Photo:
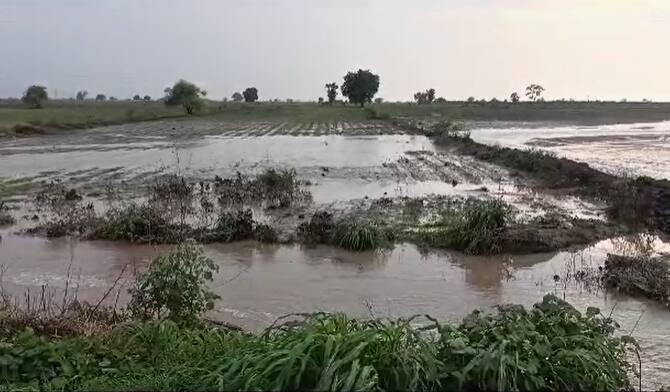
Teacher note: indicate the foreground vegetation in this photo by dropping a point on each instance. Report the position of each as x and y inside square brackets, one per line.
[161, 343]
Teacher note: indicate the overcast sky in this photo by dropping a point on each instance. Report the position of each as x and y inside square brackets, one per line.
[607, 49]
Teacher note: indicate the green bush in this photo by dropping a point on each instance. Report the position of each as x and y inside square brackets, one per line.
[174, 286]
[361, 234]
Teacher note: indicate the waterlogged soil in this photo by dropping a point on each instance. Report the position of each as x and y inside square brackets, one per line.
[641, 149]
[259, 283]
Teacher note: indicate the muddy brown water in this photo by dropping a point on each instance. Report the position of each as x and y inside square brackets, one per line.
[258, 283]
[637, 149]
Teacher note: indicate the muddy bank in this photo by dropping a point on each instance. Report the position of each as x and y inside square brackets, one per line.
[639, 275]
[643, 200]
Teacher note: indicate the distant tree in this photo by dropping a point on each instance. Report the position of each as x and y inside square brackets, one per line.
[250, 94]
[147, 98]
[360, 87]
[423, 97]
[379, 100]
[430, 95]
[137, 97]
[471, 99]
[186, 94]
[331, 92]
[35, 95]
[320, 99]
[440, 100]
[289, 100]
[494, 100]
[237, 97]
[81, 95]
[534, 92]
[113, 99]
[100, 98]
[514, 97]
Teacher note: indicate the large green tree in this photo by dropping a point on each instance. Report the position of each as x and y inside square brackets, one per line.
[35, 95]
[250, 94]
[360, 87]
[186, 94]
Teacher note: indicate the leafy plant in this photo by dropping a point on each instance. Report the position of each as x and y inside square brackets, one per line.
[173, 287]
[35, 96]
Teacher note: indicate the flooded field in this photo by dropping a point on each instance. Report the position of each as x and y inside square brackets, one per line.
[637, 149]
[259, 283]
[344, 166]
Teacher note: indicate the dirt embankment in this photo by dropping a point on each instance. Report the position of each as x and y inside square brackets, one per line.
[643, 202]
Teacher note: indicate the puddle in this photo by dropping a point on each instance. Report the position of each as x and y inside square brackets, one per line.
[638, 149]
[258, 283]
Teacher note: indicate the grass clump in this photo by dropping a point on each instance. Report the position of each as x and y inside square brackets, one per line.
[551, 347]
[477, 228]
[639, 275]
[361, 235]
[173, 287]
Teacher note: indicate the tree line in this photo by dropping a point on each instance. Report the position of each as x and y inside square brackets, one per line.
[358, 87]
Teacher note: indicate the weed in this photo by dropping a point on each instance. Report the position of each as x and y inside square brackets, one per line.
[361, 234]
[551, 347]
[173, 287]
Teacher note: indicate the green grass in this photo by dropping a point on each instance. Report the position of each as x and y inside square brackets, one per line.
[361, 234]
[569, 112]
[549, 347]
[475, 228]
[640, 275]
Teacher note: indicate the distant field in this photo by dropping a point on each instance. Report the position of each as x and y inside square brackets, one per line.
[569, 112]
[19, 119]
[61, 115]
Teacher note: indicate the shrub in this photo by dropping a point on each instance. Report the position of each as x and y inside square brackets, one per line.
[360, 235]
[174, 286]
